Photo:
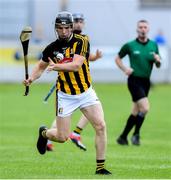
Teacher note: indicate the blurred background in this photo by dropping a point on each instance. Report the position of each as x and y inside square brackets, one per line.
[108, 23]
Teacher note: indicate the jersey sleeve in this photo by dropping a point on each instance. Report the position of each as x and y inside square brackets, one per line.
[83, 47]
[86, 37]
[48, 52]
[123, 51]
[45, 54]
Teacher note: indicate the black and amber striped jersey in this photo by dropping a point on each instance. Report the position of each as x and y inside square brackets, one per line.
[71, 82]
[85, 36]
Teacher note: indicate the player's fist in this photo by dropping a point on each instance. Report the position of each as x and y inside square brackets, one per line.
[27, 82]
[98, 54]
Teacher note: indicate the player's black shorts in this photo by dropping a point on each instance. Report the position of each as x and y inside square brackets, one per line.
[138, 87]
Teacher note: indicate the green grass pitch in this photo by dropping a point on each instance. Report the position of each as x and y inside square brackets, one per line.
[20, 118]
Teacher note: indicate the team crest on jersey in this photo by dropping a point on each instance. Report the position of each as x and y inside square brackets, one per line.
[64, 48]
[152, 53]
[71, 52]
[136, 52]
[60, 110]
[55, 53]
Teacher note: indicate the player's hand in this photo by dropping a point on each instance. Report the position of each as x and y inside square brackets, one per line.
[128, 71]
[27, 82]
[51, 66]
[98, 54]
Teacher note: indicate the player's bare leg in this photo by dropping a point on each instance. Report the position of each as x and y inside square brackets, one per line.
[49, 143]
[59, 134]
[82, 122]
[74, 136]
[96, 116]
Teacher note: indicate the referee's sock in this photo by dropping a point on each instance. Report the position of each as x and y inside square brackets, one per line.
[78, 130]
[129, 125]
[139, 121]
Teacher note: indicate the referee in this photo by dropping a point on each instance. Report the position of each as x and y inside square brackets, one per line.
[143, 53]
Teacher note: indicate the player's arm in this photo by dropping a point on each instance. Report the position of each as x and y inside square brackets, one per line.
[127, 70]
[82, 49]
[94, 57]
[68, 67]
[36, 73]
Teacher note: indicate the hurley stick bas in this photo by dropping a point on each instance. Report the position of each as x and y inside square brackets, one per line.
[24, 38]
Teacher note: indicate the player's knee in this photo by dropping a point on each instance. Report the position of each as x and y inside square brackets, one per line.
[100, 127]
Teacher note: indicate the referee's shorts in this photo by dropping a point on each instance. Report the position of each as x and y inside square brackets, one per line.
[139, 87]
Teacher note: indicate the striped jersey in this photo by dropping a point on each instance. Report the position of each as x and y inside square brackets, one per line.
[71, 82]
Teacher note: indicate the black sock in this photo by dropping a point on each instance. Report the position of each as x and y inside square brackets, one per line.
[78, 130]
[139, 121]
[100, 164]
[129, 125]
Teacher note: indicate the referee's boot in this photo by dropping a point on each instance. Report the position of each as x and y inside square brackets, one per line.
[135, 139]
[103, 172]
[122, 141]
[42, 142]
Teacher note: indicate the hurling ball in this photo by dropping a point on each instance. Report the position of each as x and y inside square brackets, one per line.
[60, 56]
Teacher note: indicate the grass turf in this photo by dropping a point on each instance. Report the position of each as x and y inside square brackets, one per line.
[21, 116]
